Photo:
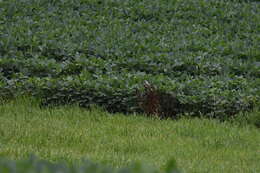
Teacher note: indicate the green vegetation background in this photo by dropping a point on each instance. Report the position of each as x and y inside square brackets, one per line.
[99, 52]
[205, 53]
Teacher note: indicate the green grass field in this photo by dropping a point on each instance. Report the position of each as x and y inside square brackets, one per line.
[71, 133]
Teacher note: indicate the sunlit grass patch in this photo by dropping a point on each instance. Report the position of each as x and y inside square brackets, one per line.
[71, 133]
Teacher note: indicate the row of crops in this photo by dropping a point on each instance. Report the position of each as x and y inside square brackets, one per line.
[204, 55]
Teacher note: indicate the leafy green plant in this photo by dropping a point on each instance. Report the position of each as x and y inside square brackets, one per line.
[36, 165]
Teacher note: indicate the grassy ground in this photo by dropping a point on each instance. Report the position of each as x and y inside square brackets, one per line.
[70, 133]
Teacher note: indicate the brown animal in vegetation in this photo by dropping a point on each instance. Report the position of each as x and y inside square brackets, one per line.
[155, 102]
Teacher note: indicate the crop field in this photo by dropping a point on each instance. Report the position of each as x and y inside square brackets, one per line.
[202, 56]
[192, 65]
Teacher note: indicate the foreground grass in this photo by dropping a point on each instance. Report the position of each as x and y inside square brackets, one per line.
[70, 133]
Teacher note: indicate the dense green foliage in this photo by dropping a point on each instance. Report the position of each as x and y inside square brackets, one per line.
[99, 52]
[34, 165]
